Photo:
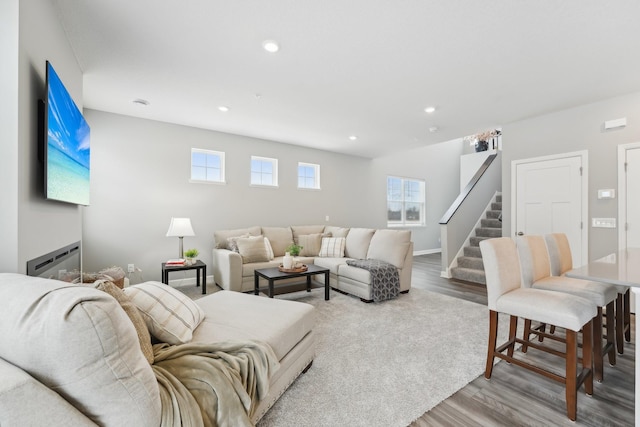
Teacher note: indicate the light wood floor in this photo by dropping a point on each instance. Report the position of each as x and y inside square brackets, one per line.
[517, 397]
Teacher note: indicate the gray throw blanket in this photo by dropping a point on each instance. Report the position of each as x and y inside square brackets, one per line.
[385, 281]
[216, 384]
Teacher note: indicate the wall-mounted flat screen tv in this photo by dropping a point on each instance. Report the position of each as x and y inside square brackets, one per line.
[66, 146]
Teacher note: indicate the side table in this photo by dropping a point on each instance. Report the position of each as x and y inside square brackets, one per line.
[199, 266]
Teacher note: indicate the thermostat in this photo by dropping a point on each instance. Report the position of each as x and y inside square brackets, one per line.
[608, 193]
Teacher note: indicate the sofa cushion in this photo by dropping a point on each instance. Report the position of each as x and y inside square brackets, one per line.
[336, 231]
[279, 323]
[299, 230]
[331, 263]
[354, 273]
[220, 237]
[79, 342]
[332, 247]
[357, 244]
[267, 245]
[252, 249]
[133, 313]
[311, 244]
[390, 246]
[280, 238]
[170, 315]
[232, 242]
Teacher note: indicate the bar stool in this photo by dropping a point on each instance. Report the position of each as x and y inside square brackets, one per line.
[536, 274]
[562, 261]
[506, 295]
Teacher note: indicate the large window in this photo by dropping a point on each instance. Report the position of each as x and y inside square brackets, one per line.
[207, 165]
[308, 176]
[405, 202]
[264, 171]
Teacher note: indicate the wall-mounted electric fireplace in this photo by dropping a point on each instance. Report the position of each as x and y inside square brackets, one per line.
[58, 264]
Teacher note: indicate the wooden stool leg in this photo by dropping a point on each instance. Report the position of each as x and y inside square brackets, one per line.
[620, 313]
[597, 346]
[587, 357]
[513, 328]
[526, 335]
[627, 316]
[493, 336]
[571, 388]
[611, 335]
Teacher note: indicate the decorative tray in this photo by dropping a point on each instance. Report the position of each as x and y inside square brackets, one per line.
[300, 269]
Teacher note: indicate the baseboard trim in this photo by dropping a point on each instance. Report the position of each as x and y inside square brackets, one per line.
[189, 281]
[427, 251]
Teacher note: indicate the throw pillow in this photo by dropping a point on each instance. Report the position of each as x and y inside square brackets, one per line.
[253, 249]
[311, 244]
[332, 247]
[232, 242]
[134, 314]
[170, 315]
[267, 245]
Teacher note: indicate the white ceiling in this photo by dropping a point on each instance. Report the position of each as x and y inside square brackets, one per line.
[352, 67]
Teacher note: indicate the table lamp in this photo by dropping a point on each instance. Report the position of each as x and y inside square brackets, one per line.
[180, 227]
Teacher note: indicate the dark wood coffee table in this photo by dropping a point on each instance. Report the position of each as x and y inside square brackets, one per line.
[273, 274]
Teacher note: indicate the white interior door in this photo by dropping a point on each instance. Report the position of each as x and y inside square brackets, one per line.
[629, 199]
[550, 197]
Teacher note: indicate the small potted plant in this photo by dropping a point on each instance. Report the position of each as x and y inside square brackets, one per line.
[190, 255]
[294, 249]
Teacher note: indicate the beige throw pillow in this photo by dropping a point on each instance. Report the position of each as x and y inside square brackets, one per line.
[132, 311]
[311, 244]
[170, 315]
[332, 247]
[253, 249]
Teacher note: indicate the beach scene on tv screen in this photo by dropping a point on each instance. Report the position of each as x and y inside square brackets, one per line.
[68, 148]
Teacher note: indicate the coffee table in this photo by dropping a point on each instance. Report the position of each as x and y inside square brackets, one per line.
[273, 274]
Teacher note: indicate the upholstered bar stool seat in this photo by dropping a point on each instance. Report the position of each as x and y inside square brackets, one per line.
[562, 261]
[536, 274]
[505, 295]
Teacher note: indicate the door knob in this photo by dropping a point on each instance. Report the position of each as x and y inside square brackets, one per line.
[520, 233]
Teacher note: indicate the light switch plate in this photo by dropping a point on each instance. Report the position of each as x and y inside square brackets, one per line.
[603, 222]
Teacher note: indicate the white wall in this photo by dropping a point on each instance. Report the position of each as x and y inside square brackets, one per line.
[31, 225]
[570, 130]
[140, 179]
[9, 45]
[439, 166]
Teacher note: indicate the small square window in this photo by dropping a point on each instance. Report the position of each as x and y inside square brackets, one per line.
[405, 202]
[264, 171]
[308, 175]
[207, 166]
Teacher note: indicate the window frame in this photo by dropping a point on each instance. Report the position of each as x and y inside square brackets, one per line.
[403, 222]
[316, 175]
[274, 165]
[220, 154]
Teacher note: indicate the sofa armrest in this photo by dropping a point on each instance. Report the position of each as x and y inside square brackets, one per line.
[227, 269]
[25, 401]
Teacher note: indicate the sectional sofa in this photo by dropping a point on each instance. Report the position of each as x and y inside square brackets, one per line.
[71, 355]
[233, 267]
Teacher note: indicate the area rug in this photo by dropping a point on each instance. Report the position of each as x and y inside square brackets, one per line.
[384, 364]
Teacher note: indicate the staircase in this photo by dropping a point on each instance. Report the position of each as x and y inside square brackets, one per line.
[470, 267]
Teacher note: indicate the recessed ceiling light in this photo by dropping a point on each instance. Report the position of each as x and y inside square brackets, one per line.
[430, 110]
[223, 108]
[139, 101]
[270, 46]
[353, 137]
[433, 129]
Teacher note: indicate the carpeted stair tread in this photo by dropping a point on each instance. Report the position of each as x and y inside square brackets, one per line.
[469, 275]
[475, 241]
[499, 198]
[492, 214]
[470, 262]
[491, 223]
[472, 251]
[488, 232]
[495, 206]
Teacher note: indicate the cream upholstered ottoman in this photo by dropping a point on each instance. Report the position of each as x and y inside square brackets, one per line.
[287, 326]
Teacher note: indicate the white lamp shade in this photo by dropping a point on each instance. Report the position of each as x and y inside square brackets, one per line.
[180, 227]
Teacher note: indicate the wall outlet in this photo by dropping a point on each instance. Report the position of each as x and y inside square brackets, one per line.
[131, 268]
[326, 218]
